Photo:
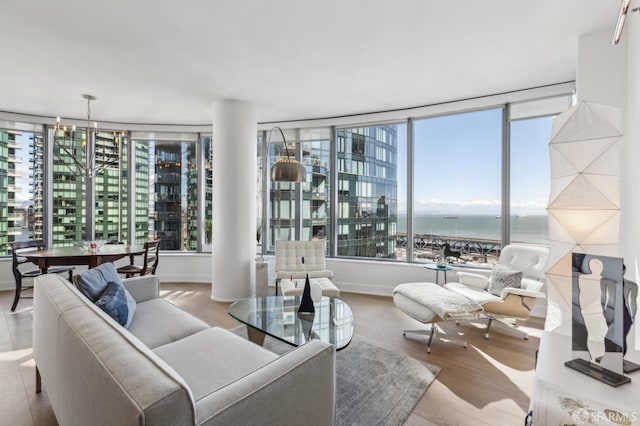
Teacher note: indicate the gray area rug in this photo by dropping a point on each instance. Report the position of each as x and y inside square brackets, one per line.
[374, 386]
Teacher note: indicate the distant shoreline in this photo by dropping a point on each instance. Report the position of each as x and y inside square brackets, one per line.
[524, 228]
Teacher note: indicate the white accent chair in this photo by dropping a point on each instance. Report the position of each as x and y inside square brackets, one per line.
[513, 303]
[289, 264]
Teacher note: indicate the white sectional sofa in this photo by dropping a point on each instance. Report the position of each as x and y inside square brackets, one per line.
[168, 367]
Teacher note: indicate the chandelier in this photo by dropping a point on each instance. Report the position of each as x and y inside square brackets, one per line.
[84, 163]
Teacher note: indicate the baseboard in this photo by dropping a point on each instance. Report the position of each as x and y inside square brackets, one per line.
[360, 288]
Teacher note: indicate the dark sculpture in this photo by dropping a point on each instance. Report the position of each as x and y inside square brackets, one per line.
[618, 311]
[306, 304]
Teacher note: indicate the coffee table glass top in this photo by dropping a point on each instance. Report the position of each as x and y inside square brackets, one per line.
[277, 316]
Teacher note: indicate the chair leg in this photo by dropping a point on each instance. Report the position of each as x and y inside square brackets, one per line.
[16, 298]
[431, 332]
[489, 322]
[513, 327]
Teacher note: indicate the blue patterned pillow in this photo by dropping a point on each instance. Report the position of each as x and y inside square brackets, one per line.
[93, 282]
[116, 301]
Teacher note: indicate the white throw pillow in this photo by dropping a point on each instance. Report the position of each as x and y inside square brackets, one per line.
[473, 280]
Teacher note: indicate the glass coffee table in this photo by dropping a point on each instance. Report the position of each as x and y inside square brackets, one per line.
[278, 317]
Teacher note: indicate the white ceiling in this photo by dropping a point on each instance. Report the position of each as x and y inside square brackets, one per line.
[167, 61]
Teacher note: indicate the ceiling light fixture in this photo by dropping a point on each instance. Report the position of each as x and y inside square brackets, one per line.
[624, 7]
[65, 140]
[286, 169]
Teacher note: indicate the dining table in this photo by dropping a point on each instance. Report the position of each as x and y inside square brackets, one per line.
[76, 255]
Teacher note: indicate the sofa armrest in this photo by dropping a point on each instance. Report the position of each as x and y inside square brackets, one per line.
[522, 292]
[143, 288]
[274, 394]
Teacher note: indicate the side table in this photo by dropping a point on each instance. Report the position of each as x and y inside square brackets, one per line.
[438, 269]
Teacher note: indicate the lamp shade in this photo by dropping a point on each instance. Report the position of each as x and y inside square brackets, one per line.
[584, 202]
[287, 170]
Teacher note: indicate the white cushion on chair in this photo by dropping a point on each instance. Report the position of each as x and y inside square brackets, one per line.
[289, 288]
[529, 259]
[531, 284]
[290, 253]
[473, 280]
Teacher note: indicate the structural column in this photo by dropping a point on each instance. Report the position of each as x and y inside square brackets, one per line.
[234, 200]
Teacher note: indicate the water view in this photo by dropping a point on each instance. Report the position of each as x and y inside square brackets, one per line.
[524, 228]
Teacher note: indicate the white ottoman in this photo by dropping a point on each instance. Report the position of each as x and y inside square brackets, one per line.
[410, 299]
[295, 288]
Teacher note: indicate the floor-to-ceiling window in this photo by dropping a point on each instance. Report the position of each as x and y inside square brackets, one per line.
[457, 186]
[144, 181]
[70, 185]
[111, 187]
[21, 192]
[367, 191]
[530, 180]
[454, 164]
[260, 198]
[282, 195]
[207, 228]
[172, 194]
[316, 202]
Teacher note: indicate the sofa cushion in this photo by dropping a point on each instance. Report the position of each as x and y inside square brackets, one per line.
[158, 322]
[116, 301]
[92, 282]
[213, 358]
[502, 278]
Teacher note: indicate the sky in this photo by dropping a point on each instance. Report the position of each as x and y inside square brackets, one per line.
[457, 166]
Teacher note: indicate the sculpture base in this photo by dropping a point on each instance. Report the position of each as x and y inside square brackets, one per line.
[599, 373]
[628, 367]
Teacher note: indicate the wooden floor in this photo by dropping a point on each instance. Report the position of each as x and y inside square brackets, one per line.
[488, 383]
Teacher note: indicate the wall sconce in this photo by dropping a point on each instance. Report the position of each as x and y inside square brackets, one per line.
[286, 169]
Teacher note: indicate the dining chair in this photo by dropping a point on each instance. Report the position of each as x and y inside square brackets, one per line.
[18, 247]
[150, 259]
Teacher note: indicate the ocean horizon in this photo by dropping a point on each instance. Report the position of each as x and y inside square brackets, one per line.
[524, 228]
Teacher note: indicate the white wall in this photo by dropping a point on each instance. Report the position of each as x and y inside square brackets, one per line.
[601, 69]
